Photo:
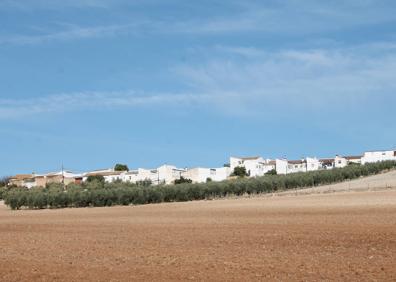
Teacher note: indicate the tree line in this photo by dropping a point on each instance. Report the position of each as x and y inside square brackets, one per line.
[97, 193]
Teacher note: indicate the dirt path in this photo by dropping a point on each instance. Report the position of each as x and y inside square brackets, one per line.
[348, 236]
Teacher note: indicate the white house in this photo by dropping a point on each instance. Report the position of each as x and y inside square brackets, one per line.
[284, 166]
[313, 164]
[255, 166]
[167, 174]
[109, 176]
[221, 173]
[141, 174]
[379, 156]
[327, 163]
[295, 166]
[354, 159]
[341, 161]
[281, 166]
[201, 175]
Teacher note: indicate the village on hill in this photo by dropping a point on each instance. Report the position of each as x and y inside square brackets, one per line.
[169, 174]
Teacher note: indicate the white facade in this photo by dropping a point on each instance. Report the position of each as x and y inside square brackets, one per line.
[327, 163]
[140, 174]
[198, 174]
[255, 166]
[113, 177]
[281, 166]
[202, 175]
[340, 162]
[378, 156]
[221, 174]
[296, 166]
[354, 159]
[284, 166]
[313, 164]
[109, 176]
[166, 174]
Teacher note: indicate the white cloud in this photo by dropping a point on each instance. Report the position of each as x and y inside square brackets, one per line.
[16, 108]
[297, 79]
[55, 4]
[261, 83]
[71, 33]
[285, 18]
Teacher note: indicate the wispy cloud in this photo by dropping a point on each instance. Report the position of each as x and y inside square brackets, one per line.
[71, 33]
[321, 79]
[55, 4]
[285, 18]
[58, 103]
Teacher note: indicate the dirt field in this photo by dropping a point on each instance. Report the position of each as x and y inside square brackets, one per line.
[348, 236]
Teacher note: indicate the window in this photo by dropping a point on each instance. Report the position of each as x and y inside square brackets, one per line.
[383, 154]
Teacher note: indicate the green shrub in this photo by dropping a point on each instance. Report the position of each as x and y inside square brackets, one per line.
[183, 180]
[240, 171]
[3, 191]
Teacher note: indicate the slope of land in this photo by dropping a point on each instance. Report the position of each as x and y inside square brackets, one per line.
[371, 183]
[348, 236]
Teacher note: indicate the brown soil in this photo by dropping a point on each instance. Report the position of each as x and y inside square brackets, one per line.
[348, 236]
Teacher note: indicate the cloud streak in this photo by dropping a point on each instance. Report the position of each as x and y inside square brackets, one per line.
[285, 18]
[316, 79]
[18, 108]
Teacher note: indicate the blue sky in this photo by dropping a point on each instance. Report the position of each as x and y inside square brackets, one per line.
[90, 83]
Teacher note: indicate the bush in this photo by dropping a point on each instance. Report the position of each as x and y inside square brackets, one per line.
[121, 167]
[3, 190]
[240, 171]
[96, 178]
[182, 180]
[271, 172]
[99, 194]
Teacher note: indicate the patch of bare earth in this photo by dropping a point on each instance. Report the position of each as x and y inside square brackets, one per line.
[348, 236]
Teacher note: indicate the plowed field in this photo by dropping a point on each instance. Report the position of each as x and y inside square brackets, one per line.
[348, 236]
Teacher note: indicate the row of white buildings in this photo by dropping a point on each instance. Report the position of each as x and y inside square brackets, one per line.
[167, 174]
[257, 166]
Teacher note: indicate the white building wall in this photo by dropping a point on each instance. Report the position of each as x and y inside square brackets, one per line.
[235, 162]
[378, 156]
[254, 167]
[221, 174]
[313, 164]
[169, 173]
[281, 166]
[295, 168]
[198, 174]
[340, 162]
[201, 175]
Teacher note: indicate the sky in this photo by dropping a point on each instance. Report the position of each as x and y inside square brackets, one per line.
[91, 83]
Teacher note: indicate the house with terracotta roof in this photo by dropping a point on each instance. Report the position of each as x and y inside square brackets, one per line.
[328, 163]
[22, 180]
